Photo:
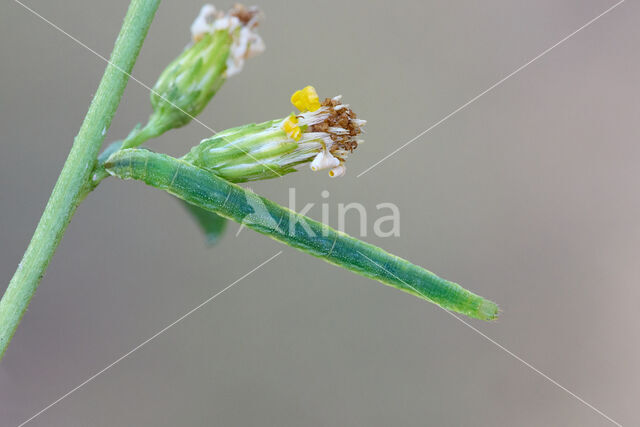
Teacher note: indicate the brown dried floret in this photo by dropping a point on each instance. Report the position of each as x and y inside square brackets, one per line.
[339, 118]
[244, 14]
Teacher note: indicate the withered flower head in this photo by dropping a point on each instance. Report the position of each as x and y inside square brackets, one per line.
[241, 23]
[221, 42]
[322, 134]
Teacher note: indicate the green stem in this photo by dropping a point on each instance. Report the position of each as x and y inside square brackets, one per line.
[207, 191]
[98, 170]
[139, 136]
[77, 169]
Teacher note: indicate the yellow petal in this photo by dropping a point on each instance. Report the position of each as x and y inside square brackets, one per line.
[291, 128]
[306, 99]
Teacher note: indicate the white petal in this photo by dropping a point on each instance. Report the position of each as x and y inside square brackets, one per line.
[203, 22]
[324, 160]
[229, 23]
[245, 45]
[256, 46]
[337, 171]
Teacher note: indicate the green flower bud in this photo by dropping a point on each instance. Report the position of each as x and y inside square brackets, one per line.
[221, 43]
[322, 137]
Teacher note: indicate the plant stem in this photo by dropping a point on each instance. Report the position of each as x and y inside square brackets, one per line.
[77, 169]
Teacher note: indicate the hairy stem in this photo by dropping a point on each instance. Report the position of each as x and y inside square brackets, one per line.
[207, 191]
[77, 169]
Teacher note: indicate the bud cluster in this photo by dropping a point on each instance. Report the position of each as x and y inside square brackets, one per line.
[221, 42]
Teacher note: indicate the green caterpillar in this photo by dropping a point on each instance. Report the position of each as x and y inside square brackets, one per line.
[206, 190]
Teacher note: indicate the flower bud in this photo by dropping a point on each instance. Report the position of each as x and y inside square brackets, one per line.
[221, 43]
[322, 134]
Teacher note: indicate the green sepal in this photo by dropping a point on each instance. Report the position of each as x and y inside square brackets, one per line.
[250, 152]
[185, 87]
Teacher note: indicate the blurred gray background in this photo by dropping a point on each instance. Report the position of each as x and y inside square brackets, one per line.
[528, 196]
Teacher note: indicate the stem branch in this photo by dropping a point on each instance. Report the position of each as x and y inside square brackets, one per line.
[77, 169]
